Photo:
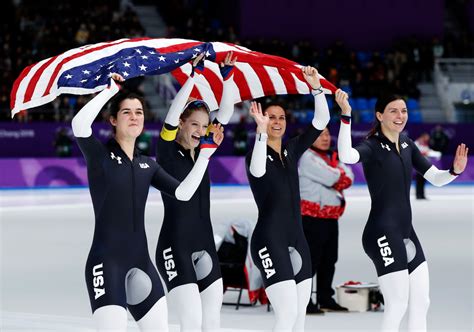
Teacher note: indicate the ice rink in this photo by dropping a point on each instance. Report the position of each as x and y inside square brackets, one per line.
[46, 235]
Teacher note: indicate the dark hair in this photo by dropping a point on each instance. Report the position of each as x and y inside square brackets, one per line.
[380, 105]
[117, 101]
[194, 105]
[274, 103]
[120, 97]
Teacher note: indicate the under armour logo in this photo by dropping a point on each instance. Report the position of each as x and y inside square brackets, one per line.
[144, 165]
[118, 158]
[385, 146]
[270, 157]
[404, 145]
[285, 153]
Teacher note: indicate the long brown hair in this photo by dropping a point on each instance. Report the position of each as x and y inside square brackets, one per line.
[380, 105]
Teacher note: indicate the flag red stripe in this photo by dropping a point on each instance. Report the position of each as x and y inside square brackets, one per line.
[20, 78]
[215, 82]
[265, 79]
[328, 85]
[241, 83]
[34, 80]
[196, 94]
[181, 77]
[289, 81]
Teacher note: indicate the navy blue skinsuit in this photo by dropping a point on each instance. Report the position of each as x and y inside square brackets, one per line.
[279, 224]
[119, 189]
[186, 226]
[389, 238]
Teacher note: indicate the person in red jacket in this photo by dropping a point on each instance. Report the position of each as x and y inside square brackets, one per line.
[423, 144]
[322, 181]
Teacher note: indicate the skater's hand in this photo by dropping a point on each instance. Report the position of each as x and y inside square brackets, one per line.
[217, 133]
[460, 159]
[311, 76]
[342, 99]
[260, 119]
[227, 66]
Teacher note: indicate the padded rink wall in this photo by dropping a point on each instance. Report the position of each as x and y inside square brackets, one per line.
[26, 152]
[72, 172]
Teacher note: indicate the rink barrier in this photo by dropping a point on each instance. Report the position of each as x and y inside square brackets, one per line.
[72, 172]
[36, 139]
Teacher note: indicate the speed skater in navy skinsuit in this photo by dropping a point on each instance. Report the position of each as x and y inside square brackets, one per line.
[388, 157]
[119, 273]
[278, 245]
[186, 254]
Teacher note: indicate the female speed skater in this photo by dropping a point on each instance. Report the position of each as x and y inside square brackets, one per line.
[278, 245]
[119, 272]
[388, 157]
[186, 254]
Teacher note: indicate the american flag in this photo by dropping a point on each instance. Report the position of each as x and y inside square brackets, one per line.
[87, 69]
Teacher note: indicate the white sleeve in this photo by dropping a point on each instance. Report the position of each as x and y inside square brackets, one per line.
[179, 102]
[321, 112]
[434, 154]
[258, 163]
[438, 177]
[81, 123]
[189, 185]
[226, 107]
[317, 170]
[348, 171]
[347, 154]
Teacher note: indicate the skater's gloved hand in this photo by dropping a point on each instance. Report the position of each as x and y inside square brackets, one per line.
[212, 139]
[112, 86]
[198, 64]
[227, 66]
[342, 99]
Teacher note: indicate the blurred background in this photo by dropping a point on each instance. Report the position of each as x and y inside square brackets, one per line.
[422, 50]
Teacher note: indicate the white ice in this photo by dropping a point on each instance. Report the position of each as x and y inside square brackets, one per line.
[46, 235]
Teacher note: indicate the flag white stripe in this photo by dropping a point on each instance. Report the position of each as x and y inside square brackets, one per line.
[222, 47]
[277, 80]
[45, 77]
[203, 86]
[252, 79]
[214, 67]
[301, 86]
[21, 91]
[205, 90]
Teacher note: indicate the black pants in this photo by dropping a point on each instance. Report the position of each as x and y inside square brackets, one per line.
[322, 236]
[420, 186]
